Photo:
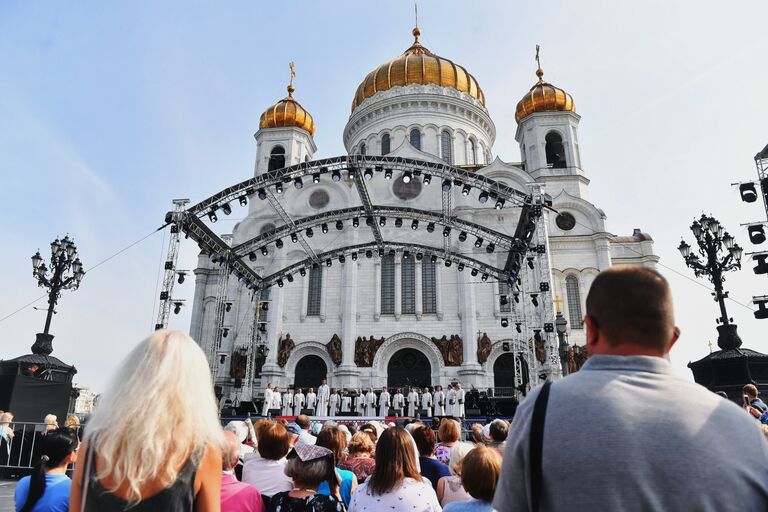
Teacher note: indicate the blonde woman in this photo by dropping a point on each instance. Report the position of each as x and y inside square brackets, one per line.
[450, 488]
[154, 442]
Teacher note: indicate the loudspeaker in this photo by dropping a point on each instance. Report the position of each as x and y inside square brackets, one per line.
[472, 412]
[275, 412]
[308, 412]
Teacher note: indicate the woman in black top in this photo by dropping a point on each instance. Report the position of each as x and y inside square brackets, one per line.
[308, 466]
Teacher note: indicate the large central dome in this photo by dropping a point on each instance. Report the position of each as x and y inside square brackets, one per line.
[417, 65]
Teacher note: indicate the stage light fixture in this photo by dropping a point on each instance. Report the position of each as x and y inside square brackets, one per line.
[252, 256]
[280, 283]
[262, 194]
[177, 307]
[351, 174]
[415, 225]
[328, 262]
[182, 276]
[368, 174]
[369, 253]
[382, 221]
[279, 243]
[407, 177]
[484, 277]
[503, 300]
[388, 174]
[463, 236]
[460, 267]
[289, 278]
[336, 175]
[225, 332]
[427, 179]
[309, 233]
[483, 197]
[339, 225]
[392, 253]
[406, 254]
[369, 221]
[302, 272]
[535, 299]
[342, 258]
[448, 263]
[433, 258]
[500, 203]
[431, 227]
[516, 297]
[529, 259]
[264, 250]
[474, 272]
[212, 216]
[398, 222]
[294, 237]
[324, 228]
[298, 183]
[316, 177]
[756, 233]
[279, 188]
[504, 322]
[479, 242]
[447, 185]
[381, 253]
[419, 256]
[227, 307]
[465, 190]
[519, 327]
[748, 192]
[354, 256]
[226, 208]
[446, 232]
[243, 200]
[490, 248]
[355, 222]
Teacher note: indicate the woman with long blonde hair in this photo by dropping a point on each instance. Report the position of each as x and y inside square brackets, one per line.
[154, 441]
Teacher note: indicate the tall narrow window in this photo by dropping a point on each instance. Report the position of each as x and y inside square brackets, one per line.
[276, 158]
[362, 148]
[554, 150]
[264, 297]
[315, 291]
[408, 285]
[574, 302]
[416, 138]
[472, 152]
[428, 287]
[505, 297]
[445, 146]
[388, 285]
[385, 144]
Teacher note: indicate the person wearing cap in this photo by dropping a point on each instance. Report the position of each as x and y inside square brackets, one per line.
[298, 402]
[346, 402]
[302, 420]
[308, 466]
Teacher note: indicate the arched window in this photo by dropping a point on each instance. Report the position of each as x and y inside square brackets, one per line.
[416, 138]
[472, 152]
[385, 144]
[408, 285]
[362, 148]
[445, 146]
[276, 158]
[315, 291]
[428, 287]
[505, 297]
[554, 150]
[388, 285]
[574, 302]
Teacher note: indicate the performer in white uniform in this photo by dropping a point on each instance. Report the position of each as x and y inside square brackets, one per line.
[450, 400]
[288, 403]
[460, 394]
[267, 400]
[346, 402]
[413, 401]
[333, 403]
[370, 403]
[298, 402]
[360, 403]
[312, 400]
[439, 401]
[323, 396]
[384, 402]
[398, 403]
[426, 401]
[276, 399]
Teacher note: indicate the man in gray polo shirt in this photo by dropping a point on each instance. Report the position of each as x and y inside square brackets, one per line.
[625, 433]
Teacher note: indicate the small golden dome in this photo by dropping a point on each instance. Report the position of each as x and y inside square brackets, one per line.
[417, 65]
[288, 112]
[544, 97]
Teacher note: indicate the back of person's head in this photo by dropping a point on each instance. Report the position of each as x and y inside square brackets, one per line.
[239, 429]
[458, 452]
[750, 390]
[361, 444]
[334, 439]
[302, 420]
[425, 440]
[59, 448]
[311, 473]
[6, 418]
[395, 461]
[477, 433]
[480, 473]
[274, 440]
[158, 411]
[230, 454]
[499, 430]
[72, 421]
[449, 431]
[370, 431]
[632, 305]
[51, 421]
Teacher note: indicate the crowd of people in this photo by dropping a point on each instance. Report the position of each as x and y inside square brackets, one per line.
[623, 433]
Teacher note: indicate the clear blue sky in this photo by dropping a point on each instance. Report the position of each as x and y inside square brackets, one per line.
[110, 110]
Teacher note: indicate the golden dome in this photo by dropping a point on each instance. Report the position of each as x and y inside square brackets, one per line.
[544, 97]
[288, 112]
[417, 65]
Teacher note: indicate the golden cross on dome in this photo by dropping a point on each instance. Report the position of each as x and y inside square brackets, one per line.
[290, 84]
[558, 301]
[539, 71]
[416, 32]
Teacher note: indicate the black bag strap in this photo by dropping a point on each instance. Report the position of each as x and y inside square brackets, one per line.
[537, 444]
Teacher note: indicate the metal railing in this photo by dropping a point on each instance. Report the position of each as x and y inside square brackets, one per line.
[20, 453]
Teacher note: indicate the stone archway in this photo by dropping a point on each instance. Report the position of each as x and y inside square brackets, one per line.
[304, 349]
[310, 371]
[409, 367]
[408, 340]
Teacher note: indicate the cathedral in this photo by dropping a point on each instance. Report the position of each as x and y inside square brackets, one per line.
[394, 319]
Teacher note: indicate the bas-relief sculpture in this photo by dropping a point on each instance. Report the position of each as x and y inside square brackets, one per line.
[451, 349]
[365, 350]
[285, 347]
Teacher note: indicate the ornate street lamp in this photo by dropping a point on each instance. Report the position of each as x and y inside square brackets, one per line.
[716, 253]
[66, 273]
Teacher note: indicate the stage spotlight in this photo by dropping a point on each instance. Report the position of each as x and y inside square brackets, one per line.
[419, 256]
[503, 300]
[535, 299]
[309, 233]
[392, 252]
[339, 225]
[500, 203]
[294, 237]
[762, 266]
[504, 322]
[448, 263]
[351, 174]
[279, 243]
[182, 276]
[298, 183]
[463, 236]
[388, 174]
[529, 259]
[368, 174]
[354, 256]
[519, 327]
[252, 256]
[415, 225]
[355, 222]
[227, 307]
[516, 297]
[381, 253]
[302, 272]
[431, 227]
[427, 179]
[483, 197]
[336, 175]
[226, 208]
[289, 278]
[316, 177]
[280, 283]
[264, 250]
[212, 216]
[474, 272]
[382, 221]
[398, 222]
[484, 277]
[447, 185]
[446, 232]
[460, 267]
[756, 233]
[479, 242]
[243, 200]
[342, 258]
[324, 228]
[279, 188]
[433, 258]
[490, 248]
[177, 307]
[369, 221]
[748, 192]
[328, 262]
[369, 253]
[407, 176]
[225, 332]
[406, 254]
[465, 190]
[262, 194]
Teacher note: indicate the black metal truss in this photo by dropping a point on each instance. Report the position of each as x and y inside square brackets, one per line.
[365, 198]
[501, 240]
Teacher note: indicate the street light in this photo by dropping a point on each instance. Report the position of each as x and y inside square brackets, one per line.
[717, 254]
[66, 273]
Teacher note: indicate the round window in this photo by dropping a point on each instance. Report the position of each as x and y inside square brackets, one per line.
[565, 221]
[406, 191]
[319, 199]
[266, 228]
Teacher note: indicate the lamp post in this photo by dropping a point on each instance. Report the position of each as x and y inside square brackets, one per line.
[717, 254]
[65, 273]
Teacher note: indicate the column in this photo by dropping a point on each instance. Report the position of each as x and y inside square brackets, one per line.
[603, 253]
[304, 296]
[377, 289]
[198, 306]
[398, 285]
[271, 372]
[347, 373]
[439, 290]
[471, 372]
[417, 290]
[323, 292]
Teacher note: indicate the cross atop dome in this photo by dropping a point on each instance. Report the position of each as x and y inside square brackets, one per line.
[543, 96]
